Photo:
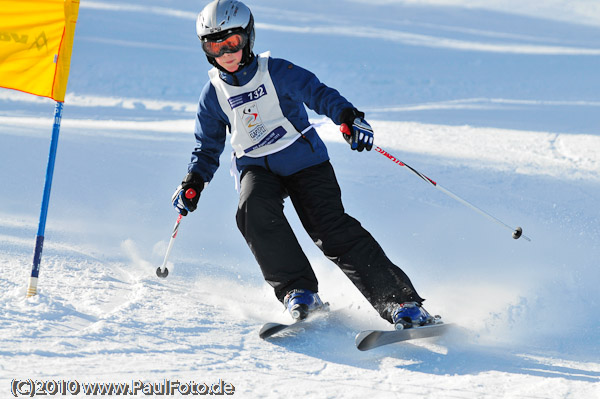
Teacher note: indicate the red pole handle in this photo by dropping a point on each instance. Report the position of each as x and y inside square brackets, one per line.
[345, 129]
[190, 193]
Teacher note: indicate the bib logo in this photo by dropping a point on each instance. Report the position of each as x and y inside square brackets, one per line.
[251, 119]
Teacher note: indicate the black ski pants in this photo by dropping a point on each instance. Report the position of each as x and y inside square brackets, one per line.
[316, 197]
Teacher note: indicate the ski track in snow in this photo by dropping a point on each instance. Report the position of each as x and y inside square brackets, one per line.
[124, 318]
[525, 152]
[365, 32]
[525, 313]
[579, 11]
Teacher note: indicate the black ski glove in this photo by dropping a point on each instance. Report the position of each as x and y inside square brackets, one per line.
[355, 130]
[186, 196]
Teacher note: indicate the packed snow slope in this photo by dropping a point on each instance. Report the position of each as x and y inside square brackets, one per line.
[498, 103]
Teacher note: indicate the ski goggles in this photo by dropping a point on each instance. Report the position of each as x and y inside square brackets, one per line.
[229, 44]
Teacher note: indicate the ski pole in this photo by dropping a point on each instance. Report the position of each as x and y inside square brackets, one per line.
[516, 233]
[162, 271]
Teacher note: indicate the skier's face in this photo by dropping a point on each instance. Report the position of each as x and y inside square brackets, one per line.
[230, 61]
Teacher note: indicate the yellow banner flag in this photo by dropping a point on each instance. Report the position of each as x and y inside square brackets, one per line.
[36, 41]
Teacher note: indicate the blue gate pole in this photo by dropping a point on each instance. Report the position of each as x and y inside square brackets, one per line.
[39, 240]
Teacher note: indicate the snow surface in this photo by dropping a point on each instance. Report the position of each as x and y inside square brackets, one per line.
[497, 101]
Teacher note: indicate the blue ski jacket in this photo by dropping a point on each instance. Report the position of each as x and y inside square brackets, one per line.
[295, 88]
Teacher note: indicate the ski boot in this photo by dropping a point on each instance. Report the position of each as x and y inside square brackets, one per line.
[302, 302]
[411, 314]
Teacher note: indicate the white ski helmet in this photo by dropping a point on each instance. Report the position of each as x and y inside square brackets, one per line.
[222, 18]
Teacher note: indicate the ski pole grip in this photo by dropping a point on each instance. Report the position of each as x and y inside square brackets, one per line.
[190, 193]
[345, 129]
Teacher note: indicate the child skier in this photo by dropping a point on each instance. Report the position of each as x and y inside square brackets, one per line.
[278, 154]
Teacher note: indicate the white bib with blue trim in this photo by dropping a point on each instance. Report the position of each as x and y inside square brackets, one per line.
[258, 126]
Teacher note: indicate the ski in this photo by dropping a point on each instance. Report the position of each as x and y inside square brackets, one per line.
[270, 329]
[366, 340]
